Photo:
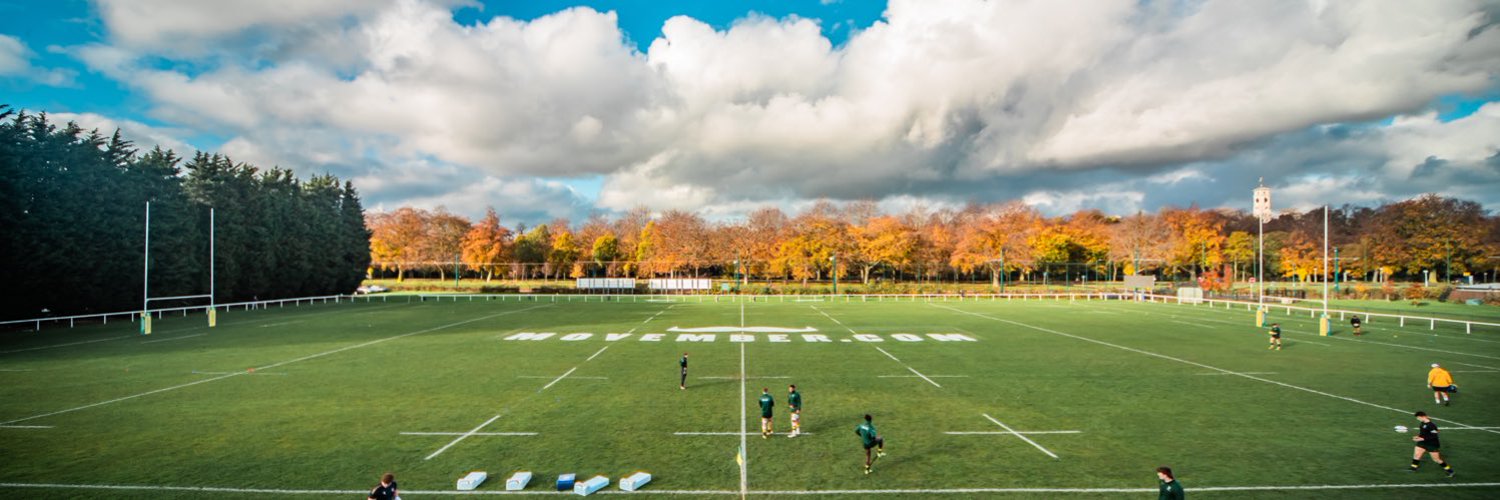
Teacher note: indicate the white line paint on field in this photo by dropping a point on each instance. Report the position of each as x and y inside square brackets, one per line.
[174, 338]
[745, 465]
[569, 378]
[749, 378]
[835, 320]
[247, 372]
[283, 323]
[722, 433]
[461, 437]
[601, 351]
[29, 349]
[935, 491]
[1468, 428]
[1476, 366]
[1009, 430]
[558, 379]
[25, 427]
[1476, 371]
[274, 365]
[15, 369]
[1245, 373]
[913, 370]
[929, 376]
[992, 433]
[1195, 363]
[468, 434]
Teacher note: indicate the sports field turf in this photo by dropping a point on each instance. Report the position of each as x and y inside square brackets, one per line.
[341, 393]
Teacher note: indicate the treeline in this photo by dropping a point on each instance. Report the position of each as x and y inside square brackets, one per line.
[1427, 237]
[72, 211]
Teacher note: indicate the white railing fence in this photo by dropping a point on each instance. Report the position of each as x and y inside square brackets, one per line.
[1400, 319]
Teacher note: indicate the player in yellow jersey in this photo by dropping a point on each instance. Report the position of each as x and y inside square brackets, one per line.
[1441, 383]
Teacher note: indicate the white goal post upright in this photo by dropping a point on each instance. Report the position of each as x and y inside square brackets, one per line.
[146, 297]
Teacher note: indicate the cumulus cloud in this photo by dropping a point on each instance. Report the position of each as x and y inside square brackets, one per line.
[142, 135]
[942, 101]
[15, 61]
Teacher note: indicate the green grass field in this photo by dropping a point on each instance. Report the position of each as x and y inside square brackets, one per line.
[339, 390]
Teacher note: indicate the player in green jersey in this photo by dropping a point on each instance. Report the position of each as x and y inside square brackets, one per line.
[794, 406]
[1275, 337]
[870, 438]
[766, 403]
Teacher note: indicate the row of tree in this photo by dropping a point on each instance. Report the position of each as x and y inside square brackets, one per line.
[1443, 237]
[72, 211]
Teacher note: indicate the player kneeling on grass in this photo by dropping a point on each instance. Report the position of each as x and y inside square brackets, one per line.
[766, 403]
[1427, 441]
[870, 438]
[1441, 383]
[794, 406]
[1275, 337]
[1355, 322]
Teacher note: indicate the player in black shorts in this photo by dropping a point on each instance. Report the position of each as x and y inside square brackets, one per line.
[1275, 337]
[386, 490]
[1355, 322]
[1427, 441]
[683, 384]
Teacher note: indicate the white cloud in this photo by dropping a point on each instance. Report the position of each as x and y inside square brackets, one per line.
[15, 61]
[942, 100]
[142, 135]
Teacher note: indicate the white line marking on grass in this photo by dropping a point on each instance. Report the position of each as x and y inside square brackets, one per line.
[558, 379]
[991, 433]
[735, 378]
[461, 437]
[601, 351]
[283, 323]
[1468, 428]
[913, 370]
[1476, 366]
[274, 365]
[25, 427]
[1476, 371]
[468, 433]
[174, 338]
[571, 378]
[247, 372]
[1194, 363]
[929, 376]
[745, 453]
[28, 349]
[1245, 373]
[949, 491]
[15, 369]
[721, 433]
[1013, 431]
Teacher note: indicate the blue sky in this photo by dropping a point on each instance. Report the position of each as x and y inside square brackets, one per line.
[550, 109]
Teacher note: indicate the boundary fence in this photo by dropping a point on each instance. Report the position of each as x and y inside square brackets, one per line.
[1369, 317]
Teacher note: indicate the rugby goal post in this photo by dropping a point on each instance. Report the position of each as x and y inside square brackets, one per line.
[147, 299]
